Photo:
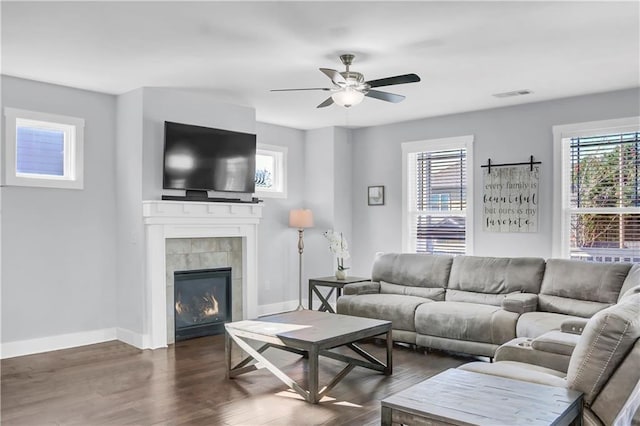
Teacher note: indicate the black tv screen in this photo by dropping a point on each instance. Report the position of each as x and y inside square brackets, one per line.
[202, 158]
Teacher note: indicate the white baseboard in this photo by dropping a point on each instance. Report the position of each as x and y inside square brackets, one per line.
[54, 343]
[140, 341]
[276, 308]
[132, 338]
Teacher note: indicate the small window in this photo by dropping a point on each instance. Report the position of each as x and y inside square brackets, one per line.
[43, 150]
[599, 213]
[437, 196]
[271, 167]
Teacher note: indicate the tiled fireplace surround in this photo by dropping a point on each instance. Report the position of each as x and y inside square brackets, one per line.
[196, 235]
[188, 254]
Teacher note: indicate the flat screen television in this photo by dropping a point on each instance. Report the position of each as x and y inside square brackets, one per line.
[202, 158]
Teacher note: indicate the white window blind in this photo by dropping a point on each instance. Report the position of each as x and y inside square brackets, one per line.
[603, 207]
[437, 196]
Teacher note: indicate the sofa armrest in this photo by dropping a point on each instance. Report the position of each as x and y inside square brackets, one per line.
[574, 326]
[366, 287]
[520, 302]
[556, 342]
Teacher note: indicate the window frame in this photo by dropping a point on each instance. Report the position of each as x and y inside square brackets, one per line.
[73, 127]
[456, 142]
[279, 155]
[562, 134]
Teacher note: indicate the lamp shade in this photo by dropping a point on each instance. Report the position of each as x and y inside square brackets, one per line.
[300, 218]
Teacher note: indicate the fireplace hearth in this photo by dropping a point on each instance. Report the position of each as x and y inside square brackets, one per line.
[202, 302]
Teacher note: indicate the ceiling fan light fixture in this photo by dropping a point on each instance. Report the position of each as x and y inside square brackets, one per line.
[347, 97]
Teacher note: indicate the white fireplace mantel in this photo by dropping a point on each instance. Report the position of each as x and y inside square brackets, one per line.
[187, 219]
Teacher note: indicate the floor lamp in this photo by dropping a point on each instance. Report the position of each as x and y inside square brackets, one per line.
[301, 219]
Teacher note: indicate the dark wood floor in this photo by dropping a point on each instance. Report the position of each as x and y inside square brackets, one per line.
[113, 383]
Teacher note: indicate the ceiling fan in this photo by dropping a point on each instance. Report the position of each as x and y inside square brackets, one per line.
[350, 88]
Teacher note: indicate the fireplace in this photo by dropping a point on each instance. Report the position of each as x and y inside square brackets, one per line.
[168, 220]
[202, 302]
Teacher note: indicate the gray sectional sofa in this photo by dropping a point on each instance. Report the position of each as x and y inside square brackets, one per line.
[476, 304]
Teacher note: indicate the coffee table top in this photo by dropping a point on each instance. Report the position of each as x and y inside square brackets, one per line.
[304, 328]
[464, 397]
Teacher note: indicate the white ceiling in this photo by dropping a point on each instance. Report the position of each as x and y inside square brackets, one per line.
[463, 51]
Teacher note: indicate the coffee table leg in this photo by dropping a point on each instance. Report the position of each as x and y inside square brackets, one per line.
[227, 353]
[313, 375]
[385, 418]
[389, 369]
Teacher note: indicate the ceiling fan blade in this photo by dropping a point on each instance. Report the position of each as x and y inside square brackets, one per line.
[334, 75]
[326, 103]
[398, 79]
[292, 90]
[385, 96]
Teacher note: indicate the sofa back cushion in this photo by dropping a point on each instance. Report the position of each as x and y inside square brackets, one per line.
[631, 281]
[422, 275]
[620, 397]
[574, 287]
[606, 341]
[487, 280]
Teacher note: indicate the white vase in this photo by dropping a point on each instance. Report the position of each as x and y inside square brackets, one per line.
[341, 274]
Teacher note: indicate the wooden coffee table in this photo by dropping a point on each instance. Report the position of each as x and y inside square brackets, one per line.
[458, 397]
[311, 334]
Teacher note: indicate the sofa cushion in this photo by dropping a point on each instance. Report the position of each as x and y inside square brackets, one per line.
[632, 280]
[534, 324]
[580, 288]
[428, 292]
[398, 309]
[473, 277]
[466, 321]
[425, 271]
[605, 342]
[519, 371]
[620, 397]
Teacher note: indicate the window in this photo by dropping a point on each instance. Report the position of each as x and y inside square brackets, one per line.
[43, 150]
[271, 167]
[436, 193]
[599, 198]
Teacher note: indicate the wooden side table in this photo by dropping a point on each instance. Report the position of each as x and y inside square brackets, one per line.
[334, 284]
[458, 397]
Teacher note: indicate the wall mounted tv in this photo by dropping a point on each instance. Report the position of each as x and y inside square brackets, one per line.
[201, 159]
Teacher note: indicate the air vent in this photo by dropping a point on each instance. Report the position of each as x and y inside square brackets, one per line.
[514, 93]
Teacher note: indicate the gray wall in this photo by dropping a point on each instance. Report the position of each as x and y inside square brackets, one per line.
[328, 193]
[130, 232]
[58, 257]
[61, 248]
[505, 135]
[277, 243]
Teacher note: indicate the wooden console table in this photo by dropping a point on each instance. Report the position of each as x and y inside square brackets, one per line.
[458, 397]
[335, 285]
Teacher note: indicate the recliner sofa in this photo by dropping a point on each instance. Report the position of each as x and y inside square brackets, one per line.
[476, 304]
[605, 365]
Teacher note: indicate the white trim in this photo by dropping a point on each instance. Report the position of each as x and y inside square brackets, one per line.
[561, 213]
[73, 128]
[279, 155]
[177, 219]
[466, 142]
[132, 338]
[276, 308]
[54, 343]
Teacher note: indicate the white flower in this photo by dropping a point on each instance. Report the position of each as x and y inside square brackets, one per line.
[337, 244]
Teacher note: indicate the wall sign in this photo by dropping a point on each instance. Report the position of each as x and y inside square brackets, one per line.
[510, 197]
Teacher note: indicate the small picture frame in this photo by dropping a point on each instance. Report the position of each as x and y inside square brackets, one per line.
[375, 195]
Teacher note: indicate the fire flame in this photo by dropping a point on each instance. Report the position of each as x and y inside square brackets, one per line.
[179, 307]
[212, 305]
